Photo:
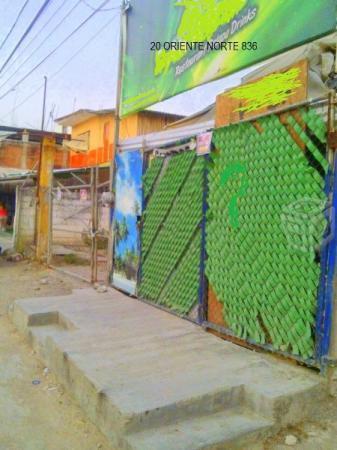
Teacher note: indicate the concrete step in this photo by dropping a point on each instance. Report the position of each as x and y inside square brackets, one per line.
[141, 374]
[224, 430]
[136, 404]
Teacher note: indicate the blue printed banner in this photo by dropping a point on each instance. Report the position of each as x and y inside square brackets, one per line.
[127, 212]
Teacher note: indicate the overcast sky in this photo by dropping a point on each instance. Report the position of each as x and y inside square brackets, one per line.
[88, 78]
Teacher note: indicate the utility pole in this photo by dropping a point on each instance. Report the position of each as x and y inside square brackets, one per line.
[44, 211]
[44, 102]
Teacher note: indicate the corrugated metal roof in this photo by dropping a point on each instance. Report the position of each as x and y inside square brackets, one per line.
[16, 133]
[5, 135]
[82, 115]
[8, 173]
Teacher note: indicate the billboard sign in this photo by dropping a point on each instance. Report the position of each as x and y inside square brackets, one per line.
[176, 45]
[269, 94]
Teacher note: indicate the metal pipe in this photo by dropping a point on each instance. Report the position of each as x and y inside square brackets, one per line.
[17, 181]
[92, 234]
[122, 44]
[44, 102]
[80, 186]
[94, 174]
[331, 299]
[78, 178]
[70, 188]
[203, 283]
[96, 225]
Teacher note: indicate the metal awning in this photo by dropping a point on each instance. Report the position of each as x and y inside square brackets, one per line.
[30, 135]
[8, 174]
[5, 135]
[163, 138]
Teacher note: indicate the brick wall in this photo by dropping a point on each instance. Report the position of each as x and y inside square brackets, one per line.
[22, 155]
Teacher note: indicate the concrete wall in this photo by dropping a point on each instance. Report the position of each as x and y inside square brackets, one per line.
[24, 226]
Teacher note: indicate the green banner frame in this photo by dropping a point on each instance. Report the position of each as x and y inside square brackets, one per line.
[258, 29]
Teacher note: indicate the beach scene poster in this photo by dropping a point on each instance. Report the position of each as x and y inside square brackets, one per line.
[128, 209]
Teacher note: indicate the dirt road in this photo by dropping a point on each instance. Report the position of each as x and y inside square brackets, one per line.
[35, 412]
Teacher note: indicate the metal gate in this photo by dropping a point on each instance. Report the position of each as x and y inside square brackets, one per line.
[172, 235]
[269, 232]
[80, 223]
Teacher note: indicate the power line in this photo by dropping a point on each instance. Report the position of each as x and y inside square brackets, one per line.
[71, 59]
[14, 24]
[42, 43]
[25, 34]
[36, 35]
[101, 9]
[51, 115]
[55, 50]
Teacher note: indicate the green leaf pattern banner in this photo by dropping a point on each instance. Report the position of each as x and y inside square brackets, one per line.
[274, 25]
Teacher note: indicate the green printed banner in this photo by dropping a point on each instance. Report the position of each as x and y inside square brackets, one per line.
[176, 45]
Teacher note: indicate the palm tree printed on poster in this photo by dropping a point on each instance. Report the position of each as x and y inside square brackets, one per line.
[127, 212]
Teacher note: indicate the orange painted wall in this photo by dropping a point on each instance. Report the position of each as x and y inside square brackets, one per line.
[101, 134]
[100, 129]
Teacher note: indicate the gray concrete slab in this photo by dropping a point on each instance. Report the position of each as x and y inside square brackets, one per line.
[6, 241]
[139, 371]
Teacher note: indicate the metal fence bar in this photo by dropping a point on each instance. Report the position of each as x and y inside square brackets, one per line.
[328, 256]
[324, 319]
[145, 165]
[72, 188]
[199, 230]
[267, 347]
[326, 294]
[94, 223]
[169, 208]
[202, 310]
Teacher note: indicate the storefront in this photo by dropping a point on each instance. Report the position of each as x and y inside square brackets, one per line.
[242, 240]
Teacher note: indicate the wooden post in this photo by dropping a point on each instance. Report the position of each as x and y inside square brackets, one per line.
[44, 200]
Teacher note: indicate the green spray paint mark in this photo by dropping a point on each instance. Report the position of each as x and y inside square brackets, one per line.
[270, 91]
[194, 28]
[239, 171]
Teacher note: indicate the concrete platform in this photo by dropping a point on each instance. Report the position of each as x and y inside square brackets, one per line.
[152, 381]
[6, 241]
